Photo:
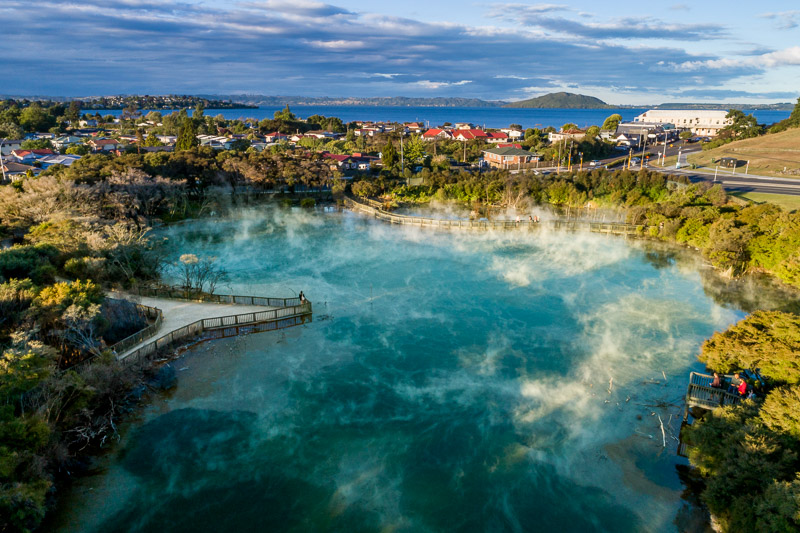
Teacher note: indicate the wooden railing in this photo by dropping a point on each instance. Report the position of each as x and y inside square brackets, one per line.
[227, 326]
[127, 343]
[179, 293]
[700, 393]
[375, 209]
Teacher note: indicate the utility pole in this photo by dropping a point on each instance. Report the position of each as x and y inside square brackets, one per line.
[641, 163]
[747, 167]
[715, 173]
[402, 159]
[1, 160]
[558, 171]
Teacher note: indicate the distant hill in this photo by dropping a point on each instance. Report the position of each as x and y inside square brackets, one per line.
[562, 101]
[394, 101]
[783, 106]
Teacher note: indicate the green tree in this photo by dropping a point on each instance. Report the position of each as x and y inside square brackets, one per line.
[742, 127]
[36, 144]
[389, 156]
[152, 140]
[414, 150]
[77, 149]
[35, 118]
[767, 340]
[187, 136]
[73, 113]
[285, 114]
[611, 122]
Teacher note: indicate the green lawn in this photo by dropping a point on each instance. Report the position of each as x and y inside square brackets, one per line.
[785, 201]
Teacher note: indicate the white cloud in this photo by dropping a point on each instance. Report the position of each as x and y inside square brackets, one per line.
[341, 44]
[428, 84]
[779, 58]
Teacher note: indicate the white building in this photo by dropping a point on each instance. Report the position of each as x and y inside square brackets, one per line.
[700, 122]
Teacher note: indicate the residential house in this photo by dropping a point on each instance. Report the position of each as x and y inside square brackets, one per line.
[345, 162]
[9, 145]
[275, 137]
[651, 131]
[104, 145]
[508, 157]
[469, 134]
[324, 135]
[58, 159]
[513, 134]
[436, 134]
[464, 126]
[497, 137]
[628, 140]
[571, 134]
[13, 171]
[28, 157]
[369, 131]
[66, 140]
[414, 127]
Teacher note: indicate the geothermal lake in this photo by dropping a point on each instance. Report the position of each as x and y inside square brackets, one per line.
[448, 382]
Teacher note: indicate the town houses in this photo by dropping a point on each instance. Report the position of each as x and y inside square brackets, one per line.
[348, 148]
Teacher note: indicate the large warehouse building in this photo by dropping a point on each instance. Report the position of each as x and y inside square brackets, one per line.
[702, 122]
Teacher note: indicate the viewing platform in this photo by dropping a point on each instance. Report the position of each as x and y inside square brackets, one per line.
[701, 394]
[178, 316]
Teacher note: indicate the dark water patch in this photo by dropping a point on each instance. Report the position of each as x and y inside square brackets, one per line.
[187, 442]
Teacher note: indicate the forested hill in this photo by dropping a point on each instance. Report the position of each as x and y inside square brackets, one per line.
[395, 101]
[562, 101]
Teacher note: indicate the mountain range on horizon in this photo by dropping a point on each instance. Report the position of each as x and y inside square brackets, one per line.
[558, 100]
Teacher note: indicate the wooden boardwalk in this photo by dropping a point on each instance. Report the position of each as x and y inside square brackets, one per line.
[376, 210]
[179, 317]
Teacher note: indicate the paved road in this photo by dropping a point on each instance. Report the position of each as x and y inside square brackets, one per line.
[739, 182]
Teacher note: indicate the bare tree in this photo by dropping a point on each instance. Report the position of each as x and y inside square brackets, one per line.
[200, 275]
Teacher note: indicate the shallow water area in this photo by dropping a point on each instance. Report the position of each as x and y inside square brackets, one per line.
[449, 382]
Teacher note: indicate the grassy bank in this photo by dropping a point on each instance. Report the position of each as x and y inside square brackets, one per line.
[775, 154]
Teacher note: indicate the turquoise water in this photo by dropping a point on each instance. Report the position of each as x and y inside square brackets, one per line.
[449, 382]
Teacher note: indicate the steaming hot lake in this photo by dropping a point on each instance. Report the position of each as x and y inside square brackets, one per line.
[448, 382]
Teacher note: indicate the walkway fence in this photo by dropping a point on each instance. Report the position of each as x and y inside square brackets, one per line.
[152, 313]
[375, 209]
[180, 293]
[700, 393]
[226, 326]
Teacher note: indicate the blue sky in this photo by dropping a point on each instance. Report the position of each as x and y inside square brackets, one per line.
[623, 52]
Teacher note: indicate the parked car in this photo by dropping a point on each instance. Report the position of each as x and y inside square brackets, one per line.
[594, 163]
[635, 161]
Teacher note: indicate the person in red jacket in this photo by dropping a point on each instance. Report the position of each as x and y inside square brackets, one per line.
[742, 389]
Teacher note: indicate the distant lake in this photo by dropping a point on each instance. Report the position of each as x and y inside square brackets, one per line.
[490, 117]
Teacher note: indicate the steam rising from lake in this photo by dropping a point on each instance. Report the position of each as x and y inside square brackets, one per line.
[449, 382]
